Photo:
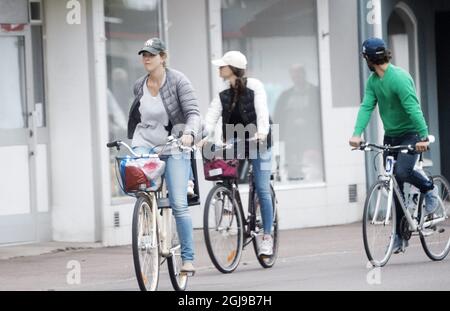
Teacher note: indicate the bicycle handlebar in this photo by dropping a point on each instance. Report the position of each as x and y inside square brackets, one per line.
[113, 144]
[400, 148]
[170, 140]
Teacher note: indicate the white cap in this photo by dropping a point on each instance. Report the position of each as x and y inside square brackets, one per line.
[232, 58]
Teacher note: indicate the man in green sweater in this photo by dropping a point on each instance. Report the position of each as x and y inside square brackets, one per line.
[394, 91]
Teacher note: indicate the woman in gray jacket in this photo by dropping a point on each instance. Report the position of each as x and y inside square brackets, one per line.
[165, 104]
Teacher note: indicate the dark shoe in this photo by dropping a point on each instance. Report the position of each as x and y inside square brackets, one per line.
[400, 245]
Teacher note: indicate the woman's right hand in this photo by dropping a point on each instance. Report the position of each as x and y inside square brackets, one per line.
[202, 142]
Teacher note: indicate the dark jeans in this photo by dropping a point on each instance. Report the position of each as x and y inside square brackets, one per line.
[404, 169]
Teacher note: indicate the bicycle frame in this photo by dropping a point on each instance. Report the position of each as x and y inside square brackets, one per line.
[394, 187]
[249, 218]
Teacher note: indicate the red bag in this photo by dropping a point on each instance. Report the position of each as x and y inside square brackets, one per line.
[217, 169]
[135, 179]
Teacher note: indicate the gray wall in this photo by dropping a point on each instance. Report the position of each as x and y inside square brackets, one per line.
[13, 11]
[344, 46]
[188, 44]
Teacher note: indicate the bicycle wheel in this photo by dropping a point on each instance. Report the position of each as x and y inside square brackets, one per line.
[179, 280]
[436, 238]
[378, 226]
[223, 229]
[265, 262]
[145, 244]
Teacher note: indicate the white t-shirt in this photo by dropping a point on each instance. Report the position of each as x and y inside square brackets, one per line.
[151, 131]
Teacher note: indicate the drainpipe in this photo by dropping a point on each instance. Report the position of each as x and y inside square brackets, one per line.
[369, 21]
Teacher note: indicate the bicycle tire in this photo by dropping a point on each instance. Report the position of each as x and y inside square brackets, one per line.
[267, 262]
[219, 193]
[427, 243]
[370, 252]
[141, 245]
[179, 280]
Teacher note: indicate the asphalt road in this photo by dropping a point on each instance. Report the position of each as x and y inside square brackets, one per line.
[328, 258]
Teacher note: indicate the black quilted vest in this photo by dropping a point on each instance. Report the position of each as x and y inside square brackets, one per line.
[246, 106]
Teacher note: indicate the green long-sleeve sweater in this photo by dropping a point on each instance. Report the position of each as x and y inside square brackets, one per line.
[399, 107]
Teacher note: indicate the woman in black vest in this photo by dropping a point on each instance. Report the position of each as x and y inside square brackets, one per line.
[242, 104]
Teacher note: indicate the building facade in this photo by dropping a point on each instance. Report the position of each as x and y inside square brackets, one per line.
[68, 67]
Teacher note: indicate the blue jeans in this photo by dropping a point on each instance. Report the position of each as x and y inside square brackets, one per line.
[177, 173]
[262, 166]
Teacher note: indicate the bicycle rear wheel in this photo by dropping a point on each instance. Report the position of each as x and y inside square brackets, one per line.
[223, 229]
[378, 226]
[265, 262]
[436, 238]
[179, 280]
[145, 244]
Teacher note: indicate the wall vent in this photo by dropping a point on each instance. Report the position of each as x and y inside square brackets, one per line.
[352, 193]
[116, 219]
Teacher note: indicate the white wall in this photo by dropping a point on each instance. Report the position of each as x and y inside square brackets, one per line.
[69, 112]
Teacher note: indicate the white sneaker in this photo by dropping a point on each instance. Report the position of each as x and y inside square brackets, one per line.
[266, 247]
[188, 267]
[190, 188]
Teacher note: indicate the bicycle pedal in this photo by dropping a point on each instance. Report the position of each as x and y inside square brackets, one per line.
[187, 273]
[265, 256]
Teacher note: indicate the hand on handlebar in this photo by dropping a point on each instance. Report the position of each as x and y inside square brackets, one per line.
[355, 141]
[422, 146]
[187, 140]
[260, 137]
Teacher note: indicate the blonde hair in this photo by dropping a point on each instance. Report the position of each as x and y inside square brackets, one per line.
[166, 55]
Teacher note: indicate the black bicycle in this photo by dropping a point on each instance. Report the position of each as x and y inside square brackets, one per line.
[228, 230]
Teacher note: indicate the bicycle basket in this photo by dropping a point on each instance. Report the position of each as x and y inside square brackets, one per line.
[219, 169]
[139, 174]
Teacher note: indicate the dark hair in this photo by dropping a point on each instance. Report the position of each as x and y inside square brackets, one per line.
[239, 87]
[381, 59]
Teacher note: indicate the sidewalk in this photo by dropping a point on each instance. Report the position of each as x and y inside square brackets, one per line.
[35, 249]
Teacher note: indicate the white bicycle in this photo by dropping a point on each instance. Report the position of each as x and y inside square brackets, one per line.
[154, 234]
[380, 219]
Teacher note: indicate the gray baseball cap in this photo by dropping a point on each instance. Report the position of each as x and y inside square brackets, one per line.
[154, 46]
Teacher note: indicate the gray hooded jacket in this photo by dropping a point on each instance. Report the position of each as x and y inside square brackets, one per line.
[179, 99]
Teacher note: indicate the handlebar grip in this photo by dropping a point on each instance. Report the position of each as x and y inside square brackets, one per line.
[112, 144]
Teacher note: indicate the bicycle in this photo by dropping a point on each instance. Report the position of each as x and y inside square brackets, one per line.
[226, 229]
[380, 219]
[153, 237]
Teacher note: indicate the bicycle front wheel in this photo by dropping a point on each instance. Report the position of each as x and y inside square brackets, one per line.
[435, 238]
[265, 262]
[379, 224]
[179, 280]
[223, 229]
[145, 244]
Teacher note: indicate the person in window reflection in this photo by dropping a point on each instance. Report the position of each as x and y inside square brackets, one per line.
[165, 103]
[297, 112]
[243, 102]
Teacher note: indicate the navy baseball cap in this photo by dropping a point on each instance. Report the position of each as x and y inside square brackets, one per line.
[154, 46]
[373, 47]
